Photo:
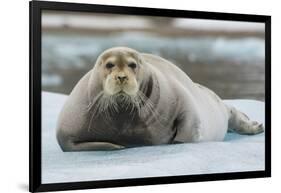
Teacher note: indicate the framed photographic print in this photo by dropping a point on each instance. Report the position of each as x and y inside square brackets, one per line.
[126, 96]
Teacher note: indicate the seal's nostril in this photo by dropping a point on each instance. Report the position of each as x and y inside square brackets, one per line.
[122, 78]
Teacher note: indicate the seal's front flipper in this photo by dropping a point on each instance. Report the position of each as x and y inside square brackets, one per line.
[187, 130]
[93, 146]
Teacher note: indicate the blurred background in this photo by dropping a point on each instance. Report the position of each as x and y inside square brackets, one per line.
[226, 56]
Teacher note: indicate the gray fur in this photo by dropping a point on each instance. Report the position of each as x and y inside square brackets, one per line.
[169, 108]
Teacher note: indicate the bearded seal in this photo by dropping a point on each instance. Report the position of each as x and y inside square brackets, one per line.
[134, 99]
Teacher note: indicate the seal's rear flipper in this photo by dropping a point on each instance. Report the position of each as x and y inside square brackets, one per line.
[240, 123]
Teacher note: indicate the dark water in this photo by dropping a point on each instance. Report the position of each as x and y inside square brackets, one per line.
[232, 67]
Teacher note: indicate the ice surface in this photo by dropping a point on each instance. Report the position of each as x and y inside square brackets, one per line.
[236, 153]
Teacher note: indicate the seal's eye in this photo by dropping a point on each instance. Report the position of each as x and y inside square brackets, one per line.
[132, 65]
[109, 65]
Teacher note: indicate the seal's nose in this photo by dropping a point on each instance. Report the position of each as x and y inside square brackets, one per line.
[122, 78]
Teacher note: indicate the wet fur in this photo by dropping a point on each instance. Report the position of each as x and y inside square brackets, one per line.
[168, 108]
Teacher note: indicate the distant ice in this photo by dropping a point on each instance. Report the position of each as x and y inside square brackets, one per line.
[219, 25]
[71, 52]
[51, 80]
[249, 50]
[94, 21]
[236, 153]
[75, 51]
[117, 21]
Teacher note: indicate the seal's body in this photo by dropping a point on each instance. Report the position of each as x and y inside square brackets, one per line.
[132, 99]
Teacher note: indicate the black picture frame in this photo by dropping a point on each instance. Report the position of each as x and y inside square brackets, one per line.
[36, 8]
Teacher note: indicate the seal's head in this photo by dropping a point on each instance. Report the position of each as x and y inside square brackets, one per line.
[121, 70]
